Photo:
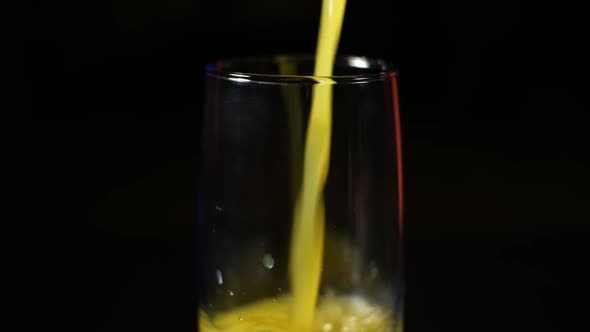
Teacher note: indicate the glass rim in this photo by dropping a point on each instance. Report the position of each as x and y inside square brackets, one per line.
[377, 70]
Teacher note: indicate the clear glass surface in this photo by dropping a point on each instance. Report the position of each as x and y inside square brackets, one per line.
[254, 127]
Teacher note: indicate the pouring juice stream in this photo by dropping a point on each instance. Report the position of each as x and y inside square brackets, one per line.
[307, 242]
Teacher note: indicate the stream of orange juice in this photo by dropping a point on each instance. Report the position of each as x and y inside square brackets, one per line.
[303, 310]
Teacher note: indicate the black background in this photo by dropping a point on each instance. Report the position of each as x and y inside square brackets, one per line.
[100, 158]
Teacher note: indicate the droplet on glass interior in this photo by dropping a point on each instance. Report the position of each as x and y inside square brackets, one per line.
[219, 277]
[268, 261]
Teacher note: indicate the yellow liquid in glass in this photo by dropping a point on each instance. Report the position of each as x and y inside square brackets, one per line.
[332, 314]
[302, 310]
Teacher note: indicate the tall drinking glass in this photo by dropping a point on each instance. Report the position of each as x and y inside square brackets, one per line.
[254, 127]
